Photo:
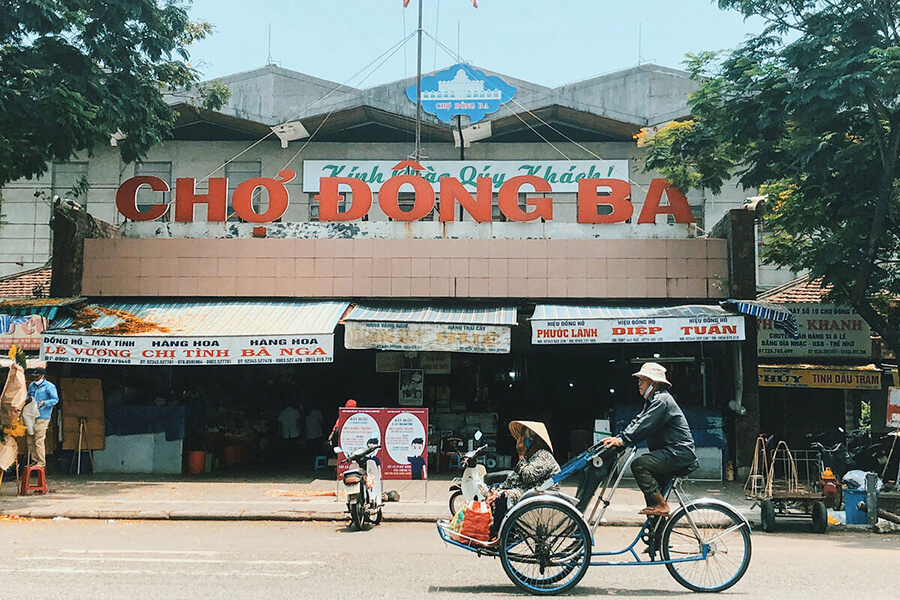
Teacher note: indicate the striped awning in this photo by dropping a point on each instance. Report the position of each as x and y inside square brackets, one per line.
[43, 307]
[780, 316]
[611, 324]
[430, 327]
[196, 333]
[403, 313]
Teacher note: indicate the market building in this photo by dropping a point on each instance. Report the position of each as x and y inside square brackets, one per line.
[286, 250]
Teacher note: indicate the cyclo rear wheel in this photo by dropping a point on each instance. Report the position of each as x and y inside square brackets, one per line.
[726, 536]
[545, 546]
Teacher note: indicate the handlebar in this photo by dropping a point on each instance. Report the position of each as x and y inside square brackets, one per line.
[360, 454]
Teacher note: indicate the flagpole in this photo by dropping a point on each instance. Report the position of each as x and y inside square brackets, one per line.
[419, 90]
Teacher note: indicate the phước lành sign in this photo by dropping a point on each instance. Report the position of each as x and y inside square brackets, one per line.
[632, 331]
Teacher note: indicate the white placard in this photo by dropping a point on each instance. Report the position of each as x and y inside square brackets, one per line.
[562, 175]
[175, 351]
[632, 331]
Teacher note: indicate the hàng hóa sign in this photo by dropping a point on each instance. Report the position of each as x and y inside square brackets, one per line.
[182, 351]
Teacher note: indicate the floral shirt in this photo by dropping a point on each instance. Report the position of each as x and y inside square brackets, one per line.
[529, 473]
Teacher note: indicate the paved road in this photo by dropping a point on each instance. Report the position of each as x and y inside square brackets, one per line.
[137, 560]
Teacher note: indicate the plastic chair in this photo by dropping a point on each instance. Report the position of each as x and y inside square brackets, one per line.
[25, 485]
[454, 461]
[321, 462]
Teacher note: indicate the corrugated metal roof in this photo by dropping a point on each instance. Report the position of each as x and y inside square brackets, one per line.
[562, 312]
[45, 307]
[197, 319]
[406, 313]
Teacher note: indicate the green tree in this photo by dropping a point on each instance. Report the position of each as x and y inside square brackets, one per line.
[808, 112]
[75, 72]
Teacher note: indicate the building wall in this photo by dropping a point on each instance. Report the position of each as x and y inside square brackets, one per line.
[25, 240]
[407, 268]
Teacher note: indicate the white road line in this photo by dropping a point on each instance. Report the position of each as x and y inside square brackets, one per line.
[173, 559]
[83, 571]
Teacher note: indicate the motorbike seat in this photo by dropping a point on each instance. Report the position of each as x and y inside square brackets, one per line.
[357, 472]
[496, 477]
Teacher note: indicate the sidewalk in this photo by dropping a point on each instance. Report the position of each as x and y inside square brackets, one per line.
[285, 498]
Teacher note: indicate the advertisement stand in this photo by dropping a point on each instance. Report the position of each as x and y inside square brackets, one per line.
[401, 433]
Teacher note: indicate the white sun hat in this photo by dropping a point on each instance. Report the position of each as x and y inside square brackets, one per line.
[654, 372]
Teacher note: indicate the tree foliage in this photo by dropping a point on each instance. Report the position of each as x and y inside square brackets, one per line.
[75, 72]
[807, 111]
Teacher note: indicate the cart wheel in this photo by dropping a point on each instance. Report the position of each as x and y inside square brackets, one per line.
[819, 517]
[767, 516]
[456, 502]
[545, 547]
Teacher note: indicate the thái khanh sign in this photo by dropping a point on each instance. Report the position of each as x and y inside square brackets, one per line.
[345, 192]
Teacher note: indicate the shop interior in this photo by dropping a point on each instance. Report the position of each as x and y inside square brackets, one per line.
[232, 412]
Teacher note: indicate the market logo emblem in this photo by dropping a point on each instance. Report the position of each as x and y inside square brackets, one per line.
[462, 90]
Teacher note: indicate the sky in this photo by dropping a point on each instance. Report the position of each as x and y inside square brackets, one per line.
[547, 42]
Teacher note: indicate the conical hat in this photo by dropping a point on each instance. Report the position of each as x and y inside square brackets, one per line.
[536, 427]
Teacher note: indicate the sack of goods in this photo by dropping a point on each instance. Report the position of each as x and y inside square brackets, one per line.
[472, 523]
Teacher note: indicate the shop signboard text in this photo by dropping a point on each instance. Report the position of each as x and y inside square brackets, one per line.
[603, 193]
[177, 351]
[824, 378]
[633, 331]
[24, 332]
[825, 330]
[427, 337]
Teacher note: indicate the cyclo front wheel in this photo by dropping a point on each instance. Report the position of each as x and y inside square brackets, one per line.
[545, 547]
[708, 527]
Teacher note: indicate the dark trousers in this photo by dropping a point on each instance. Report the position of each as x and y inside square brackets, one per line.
[652, 473]
[500, 508]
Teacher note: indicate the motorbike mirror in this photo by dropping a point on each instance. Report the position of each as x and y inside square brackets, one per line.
[337, 450]
[478, 435]
[841, 429]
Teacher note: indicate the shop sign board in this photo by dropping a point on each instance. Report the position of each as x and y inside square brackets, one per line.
[825, 330]
[401, 432]
[632, 331]
[427, 337]
[177, 351]
[24, 332]
[893, 407]
[821, 378]
[345, 192]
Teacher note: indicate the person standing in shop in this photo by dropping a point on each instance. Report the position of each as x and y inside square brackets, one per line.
[315, 435]
[333, 437]
[44, 395]
[663, 425]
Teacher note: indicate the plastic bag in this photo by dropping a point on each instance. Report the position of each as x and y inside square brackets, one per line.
[856, 480]
[476, 522]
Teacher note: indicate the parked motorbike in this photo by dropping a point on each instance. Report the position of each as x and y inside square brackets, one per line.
[362, 486]
[475, 481]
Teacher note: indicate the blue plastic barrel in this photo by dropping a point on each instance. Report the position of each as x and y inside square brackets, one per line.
[852, 498]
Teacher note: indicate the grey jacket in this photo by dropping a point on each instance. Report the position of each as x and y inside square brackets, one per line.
[662, 424]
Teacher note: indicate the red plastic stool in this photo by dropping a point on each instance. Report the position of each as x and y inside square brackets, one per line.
[25, 485]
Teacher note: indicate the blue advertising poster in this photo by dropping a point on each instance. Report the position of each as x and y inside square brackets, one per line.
[462, 90]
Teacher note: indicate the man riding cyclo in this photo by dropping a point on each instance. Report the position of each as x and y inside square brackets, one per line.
[662, 424]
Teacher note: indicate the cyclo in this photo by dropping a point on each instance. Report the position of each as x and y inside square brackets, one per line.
[546, 543]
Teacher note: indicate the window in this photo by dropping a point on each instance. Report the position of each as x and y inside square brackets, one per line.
[238, 172]
[70, 181]
[147, 197]
[314, 207]
[699, 212]
[496, 215]
[406, 201]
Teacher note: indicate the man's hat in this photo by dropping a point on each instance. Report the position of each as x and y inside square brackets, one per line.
[654, 372]
[517, 428]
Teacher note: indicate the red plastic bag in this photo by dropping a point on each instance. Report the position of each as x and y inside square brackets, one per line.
[476, 521]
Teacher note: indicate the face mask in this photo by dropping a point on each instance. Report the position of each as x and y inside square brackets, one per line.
[649, 391]
[527, 443]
